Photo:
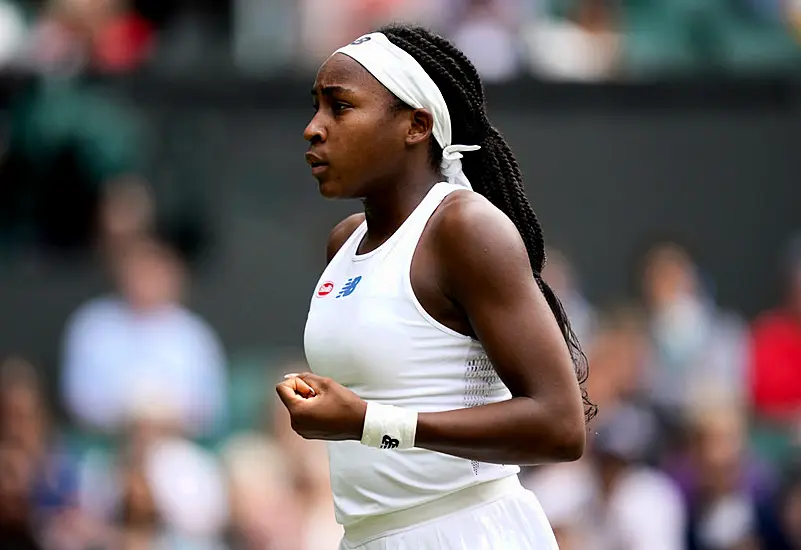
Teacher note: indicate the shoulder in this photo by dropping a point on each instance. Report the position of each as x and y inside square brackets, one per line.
[196, 324]
[97, 309]
[469, 233]
[341, 233]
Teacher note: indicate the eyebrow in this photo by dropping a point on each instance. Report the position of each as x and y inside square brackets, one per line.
[328, 90]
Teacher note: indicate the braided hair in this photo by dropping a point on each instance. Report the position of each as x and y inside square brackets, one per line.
[493, 170]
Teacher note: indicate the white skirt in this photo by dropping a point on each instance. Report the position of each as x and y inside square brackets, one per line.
[497, 515]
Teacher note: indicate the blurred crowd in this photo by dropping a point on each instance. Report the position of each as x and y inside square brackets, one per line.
[696, 443]
[158, 438]
[576, 40]
[169, 444]
[165, 445]
[72, 151]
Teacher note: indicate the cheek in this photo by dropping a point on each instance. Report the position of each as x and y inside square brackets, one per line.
[361, 152]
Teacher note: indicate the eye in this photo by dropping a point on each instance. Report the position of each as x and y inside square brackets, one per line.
[340, 106]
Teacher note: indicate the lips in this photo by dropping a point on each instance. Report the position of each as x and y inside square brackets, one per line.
[317, 163]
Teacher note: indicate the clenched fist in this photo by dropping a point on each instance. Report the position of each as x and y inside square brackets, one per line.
[319, 408]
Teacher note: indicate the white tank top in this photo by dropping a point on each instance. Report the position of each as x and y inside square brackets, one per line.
[367, 330]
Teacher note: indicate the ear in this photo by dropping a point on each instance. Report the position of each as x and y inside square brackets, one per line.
[421, 127]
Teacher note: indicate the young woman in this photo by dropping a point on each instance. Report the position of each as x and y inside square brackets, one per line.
[441, 359]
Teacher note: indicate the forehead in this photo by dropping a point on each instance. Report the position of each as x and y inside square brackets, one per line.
[343, 71]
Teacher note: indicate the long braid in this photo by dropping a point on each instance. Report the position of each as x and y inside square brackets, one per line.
[493, 170]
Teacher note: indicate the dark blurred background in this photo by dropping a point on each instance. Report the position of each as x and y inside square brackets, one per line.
[160, 236]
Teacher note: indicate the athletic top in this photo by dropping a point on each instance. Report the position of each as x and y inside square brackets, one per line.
[367, 330]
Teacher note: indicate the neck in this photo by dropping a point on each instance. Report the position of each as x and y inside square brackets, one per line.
[387, 209]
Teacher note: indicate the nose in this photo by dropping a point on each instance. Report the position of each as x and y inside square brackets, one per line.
[315, 130]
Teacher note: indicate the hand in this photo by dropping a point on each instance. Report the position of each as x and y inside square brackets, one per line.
[319, 408]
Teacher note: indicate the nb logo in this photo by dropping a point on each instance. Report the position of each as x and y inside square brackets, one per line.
[349, 287]
[389, 443]
[361, 40]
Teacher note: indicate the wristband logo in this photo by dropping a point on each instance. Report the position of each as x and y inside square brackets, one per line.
[388, 442]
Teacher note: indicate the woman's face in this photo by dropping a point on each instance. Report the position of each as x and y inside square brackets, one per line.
[358, 135]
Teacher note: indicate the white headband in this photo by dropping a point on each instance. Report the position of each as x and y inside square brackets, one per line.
[402, 75]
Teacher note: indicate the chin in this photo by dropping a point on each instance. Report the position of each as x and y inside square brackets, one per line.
[332, 189]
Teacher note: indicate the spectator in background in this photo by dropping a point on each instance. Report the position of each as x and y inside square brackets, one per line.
[16, 517]
[326, 26]
[308, 460]
[51, 474]
[72, 156]
[101, 35]
[155, 489]
[488, 36]
[73, 149]
[609, 500]
[279, 486]
[582, 44]
[775, 369]
[143, 347]
[13, 30]
[187, 489]
[727, 490]
[617, 354]
[264, 510]
[695, 345]
[561, 277]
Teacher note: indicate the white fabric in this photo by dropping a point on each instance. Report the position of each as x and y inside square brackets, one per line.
[188, 488]
[644, 510]
[388, 427]
[402, 75]
[377, 340]
[510, 521]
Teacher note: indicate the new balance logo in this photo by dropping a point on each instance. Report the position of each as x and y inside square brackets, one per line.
[361, 40]
[388, 443]
[349, 287]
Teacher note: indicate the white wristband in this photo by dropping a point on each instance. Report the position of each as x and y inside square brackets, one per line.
[388, 427]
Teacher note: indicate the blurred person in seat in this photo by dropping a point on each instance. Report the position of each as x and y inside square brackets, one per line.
[775, 369]
[25, 426]
[172, 496]
[582, 43]
[487, 34]
[265, 509]
[309, 468]
[611, 500]
[695, 344]
[101, 35]
[727, 490]
[143, 345]
[280, 489]
[16, 515]
[75, 147]
[65, 182]
[618, 354]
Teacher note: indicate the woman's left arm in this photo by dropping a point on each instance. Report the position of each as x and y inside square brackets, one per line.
[484, 269]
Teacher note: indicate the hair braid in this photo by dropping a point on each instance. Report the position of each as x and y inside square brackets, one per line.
[493, 170]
